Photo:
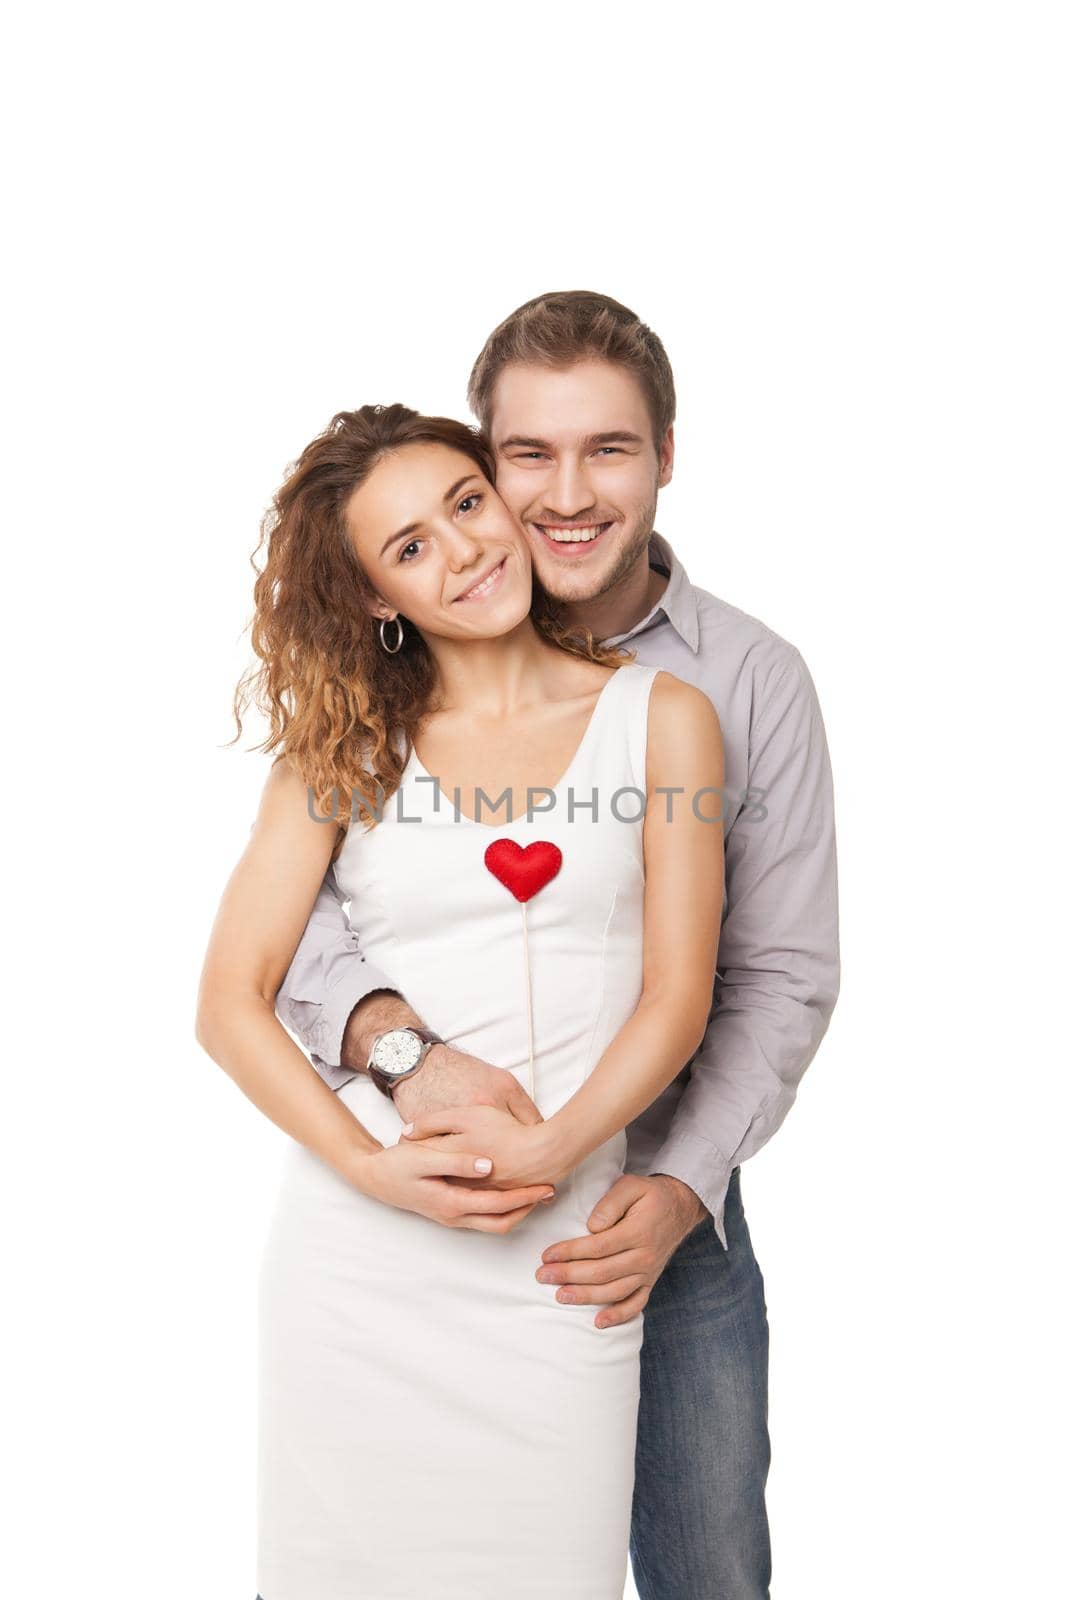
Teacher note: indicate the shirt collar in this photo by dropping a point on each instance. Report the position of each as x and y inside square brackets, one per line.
[678, 602]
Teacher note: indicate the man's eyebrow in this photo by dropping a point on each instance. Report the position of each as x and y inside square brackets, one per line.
[529, 444]
[413, 527]
[616, 436]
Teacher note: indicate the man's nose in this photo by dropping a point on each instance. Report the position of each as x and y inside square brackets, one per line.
[569, 493]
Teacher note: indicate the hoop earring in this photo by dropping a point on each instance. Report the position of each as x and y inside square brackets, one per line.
[391, 649]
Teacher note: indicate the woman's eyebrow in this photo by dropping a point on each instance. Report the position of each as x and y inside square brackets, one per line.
[413, 527]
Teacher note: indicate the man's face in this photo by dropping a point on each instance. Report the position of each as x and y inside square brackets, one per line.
[576, 466]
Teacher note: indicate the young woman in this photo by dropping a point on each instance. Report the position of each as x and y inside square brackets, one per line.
[433, 1422]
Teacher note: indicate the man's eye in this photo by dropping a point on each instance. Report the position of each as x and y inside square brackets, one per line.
[609, 448]
[530, 455]
[467, 498]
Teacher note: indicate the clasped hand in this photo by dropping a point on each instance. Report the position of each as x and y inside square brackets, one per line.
[521, 1153]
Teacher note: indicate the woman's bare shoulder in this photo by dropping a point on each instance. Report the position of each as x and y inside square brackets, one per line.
[681, 718]
[673, 698]
[288, 803]
[574, 678]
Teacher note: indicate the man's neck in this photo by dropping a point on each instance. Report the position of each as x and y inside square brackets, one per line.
[623, 606]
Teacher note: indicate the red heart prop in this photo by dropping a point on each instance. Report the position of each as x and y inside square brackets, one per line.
[524, 872]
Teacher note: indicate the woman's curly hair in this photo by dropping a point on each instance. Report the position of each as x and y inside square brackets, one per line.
[342, 711]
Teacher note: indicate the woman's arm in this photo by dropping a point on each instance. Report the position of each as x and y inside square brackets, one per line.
[263, 912]
[682, 915]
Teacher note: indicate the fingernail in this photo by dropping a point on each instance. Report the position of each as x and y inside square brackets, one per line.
[483, 1164]
[545, 1198]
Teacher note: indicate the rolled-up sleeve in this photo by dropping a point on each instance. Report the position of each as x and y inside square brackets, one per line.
[328, 976]
[778, 969]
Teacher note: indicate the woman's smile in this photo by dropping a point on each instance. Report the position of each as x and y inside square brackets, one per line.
[481, 587]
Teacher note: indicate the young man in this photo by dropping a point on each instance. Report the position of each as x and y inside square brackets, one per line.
[577, 398]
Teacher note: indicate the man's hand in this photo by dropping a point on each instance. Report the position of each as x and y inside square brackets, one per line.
[634, 1231]
[449, 1078]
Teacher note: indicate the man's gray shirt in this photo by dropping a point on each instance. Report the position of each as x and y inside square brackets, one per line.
[778, 964]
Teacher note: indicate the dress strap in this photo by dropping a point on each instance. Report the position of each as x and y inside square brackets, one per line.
[640, 688]
[613, 754]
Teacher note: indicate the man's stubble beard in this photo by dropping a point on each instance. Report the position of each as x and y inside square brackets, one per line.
[634, 553]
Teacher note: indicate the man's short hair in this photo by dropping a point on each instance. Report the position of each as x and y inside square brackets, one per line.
[556, 330]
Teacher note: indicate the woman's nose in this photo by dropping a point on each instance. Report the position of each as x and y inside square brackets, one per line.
[461, 548]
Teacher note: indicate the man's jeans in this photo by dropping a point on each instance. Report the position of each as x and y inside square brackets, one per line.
[699, 1522]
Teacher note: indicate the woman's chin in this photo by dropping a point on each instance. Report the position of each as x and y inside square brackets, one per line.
[496, 614]
[496, 620]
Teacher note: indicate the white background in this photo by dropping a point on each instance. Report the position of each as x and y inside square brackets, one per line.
[846, 222]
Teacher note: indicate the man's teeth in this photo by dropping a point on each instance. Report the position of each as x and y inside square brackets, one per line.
[574, 535]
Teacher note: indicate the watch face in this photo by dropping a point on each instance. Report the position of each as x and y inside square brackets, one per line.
[397, 1051]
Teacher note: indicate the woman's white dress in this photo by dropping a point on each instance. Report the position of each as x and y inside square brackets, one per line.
[433, 1423]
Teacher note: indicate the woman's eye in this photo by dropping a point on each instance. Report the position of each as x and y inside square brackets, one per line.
[414, 545]
[467, 498]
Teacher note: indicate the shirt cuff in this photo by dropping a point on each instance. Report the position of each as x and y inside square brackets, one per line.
[697, 1163]
[358, 979]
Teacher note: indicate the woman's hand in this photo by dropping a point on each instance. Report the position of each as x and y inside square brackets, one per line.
[521, 1153]
[442, 1187]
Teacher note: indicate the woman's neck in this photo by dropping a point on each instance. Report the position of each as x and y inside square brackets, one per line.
[495, 677]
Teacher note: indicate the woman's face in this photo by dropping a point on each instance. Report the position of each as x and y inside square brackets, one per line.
[439, 545]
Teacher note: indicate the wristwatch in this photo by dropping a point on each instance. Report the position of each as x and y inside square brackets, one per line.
[398, 1054]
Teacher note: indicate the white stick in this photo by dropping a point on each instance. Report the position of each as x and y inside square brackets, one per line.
[529, 999]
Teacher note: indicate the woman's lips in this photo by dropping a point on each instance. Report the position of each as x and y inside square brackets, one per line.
[485, 586]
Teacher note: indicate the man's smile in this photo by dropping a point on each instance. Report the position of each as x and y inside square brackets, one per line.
[573, 539]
